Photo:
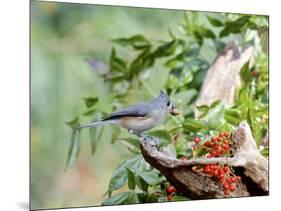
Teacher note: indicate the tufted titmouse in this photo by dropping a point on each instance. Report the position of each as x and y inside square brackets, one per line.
[139, 117]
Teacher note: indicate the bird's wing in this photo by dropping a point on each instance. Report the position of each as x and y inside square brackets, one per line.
[138, 110]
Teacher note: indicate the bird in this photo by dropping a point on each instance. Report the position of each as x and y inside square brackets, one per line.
[139, 117]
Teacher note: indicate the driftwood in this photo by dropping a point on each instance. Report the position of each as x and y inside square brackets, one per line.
[223, 76]
[247, 161]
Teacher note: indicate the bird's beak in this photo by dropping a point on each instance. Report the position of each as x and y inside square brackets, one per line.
[174, 111]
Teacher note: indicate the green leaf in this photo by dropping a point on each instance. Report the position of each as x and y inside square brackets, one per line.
[73, 149]
[233, 116]
[230, 27]
[95, 134]
[193, 125]
[215, 116]
[119, 178]
[198, 78]
[166, 49]
[203, 109]
[141, 62]
[245, 73]
[120, 174]
[150, 177]
[207, 33]
[214, 21]
[256, 126]
[89, 112]
[215, 103]
[122, 198]
[151, 197]
[242, 20]
[137, 42]
[115, 132]
[90, 101]
[73, 123]
[141, 183]
[265, 152]
[180, 198]
[131, 179]
[199, 38]
[117, 64]
[219, 45]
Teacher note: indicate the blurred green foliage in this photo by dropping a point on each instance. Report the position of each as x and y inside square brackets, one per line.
[89, 60]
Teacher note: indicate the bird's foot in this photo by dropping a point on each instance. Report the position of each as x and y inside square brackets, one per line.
[149, 139]
[136, 133]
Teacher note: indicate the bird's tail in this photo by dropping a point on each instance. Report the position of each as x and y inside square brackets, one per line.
[92, 124]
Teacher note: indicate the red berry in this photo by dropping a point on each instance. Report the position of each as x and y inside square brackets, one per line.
[213, 152]
[221, 175]
[207, 144]
[238, 178]
[221, 134]
[195, 147]
[225, 169]
[218, 153]
[196, 140]
[221, 171]
[216, 173]
[225, 146]
[183, 158]
[207, 169]
[219, 139]
[214, 139]
[225, 134]
[169, 197]
[226, 185]
[232, 179]
[215, 146]
[209, 156]
[170, 189]
[232, 187]
[226, 142]
[213, 167]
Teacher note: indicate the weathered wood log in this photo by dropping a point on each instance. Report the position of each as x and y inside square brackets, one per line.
[247, 160]
[223, 77]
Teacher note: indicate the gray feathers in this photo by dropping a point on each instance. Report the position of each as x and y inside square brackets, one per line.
[138, 110]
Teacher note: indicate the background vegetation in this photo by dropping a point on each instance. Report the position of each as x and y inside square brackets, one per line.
[89, 60]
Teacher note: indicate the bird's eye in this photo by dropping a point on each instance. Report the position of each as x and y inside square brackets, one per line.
[168, 103]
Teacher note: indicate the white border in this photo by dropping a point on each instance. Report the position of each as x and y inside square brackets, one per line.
[14, 149]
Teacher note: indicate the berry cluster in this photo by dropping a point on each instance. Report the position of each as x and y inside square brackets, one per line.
[217, 146]
[224, 174]
[170, 190]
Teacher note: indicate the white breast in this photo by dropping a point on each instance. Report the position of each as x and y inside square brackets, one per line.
[141, 124]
